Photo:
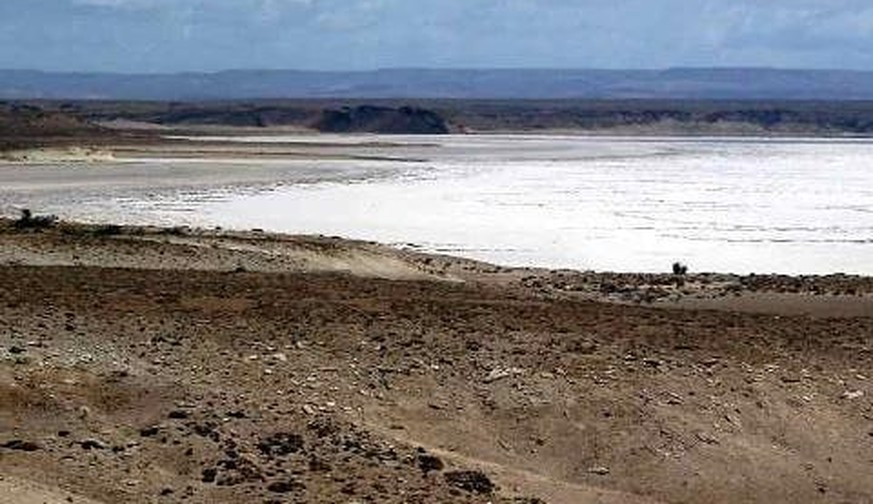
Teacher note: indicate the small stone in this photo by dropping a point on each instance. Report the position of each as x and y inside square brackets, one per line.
[429, 463]
[93, 444]
[599, 470]
[653, 362]
[208, 475]
[281, 444]
[496, 374]
[149, 431]
[178, 414]
[854, 394]
[20, 445]
[501, 373]
[284, 486]
[471, 481]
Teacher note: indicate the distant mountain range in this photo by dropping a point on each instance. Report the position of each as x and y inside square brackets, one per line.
[702, 84]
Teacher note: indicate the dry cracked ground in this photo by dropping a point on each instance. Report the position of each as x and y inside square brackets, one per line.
[172, 366]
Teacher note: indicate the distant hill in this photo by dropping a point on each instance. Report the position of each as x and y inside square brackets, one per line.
[374, 119]
[24, 125]
[701, 84]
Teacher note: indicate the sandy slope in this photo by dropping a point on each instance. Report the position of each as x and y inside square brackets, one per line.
[17, 491]
[166, 365]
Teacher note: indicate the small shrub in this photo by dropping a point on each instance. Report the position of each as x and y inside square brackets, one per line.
[30, 221]
[679, 272]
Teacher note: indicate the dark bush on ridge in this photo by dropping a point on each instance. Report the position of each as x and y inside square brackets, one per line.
[30, 221]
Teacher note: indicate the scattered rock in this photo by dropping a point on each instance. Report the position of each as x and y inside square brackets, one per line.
[207, 430]
[710, 362]
[599, 470]
[854, 394]
[84, 412]
[471, 481]
[20, 445]
[284, 486]
[178, 414]
[674, 399]
[319, 465]
[281, 444]
[149, 431]
[208, 475]
[428, 463]
[93, 444]
[237, 470]
[501, 373]
[653, 362]
[707, 438]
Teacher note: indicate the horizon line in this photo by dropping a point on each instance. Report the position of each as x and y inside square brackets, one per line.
[442, 69]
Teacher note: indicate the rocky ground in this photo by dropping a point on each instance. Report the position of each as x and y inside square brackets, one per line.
[175, 365]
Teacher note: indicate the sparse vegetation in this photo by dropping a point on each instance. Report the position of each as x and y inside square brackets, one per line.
[679, 272]
[36, 222]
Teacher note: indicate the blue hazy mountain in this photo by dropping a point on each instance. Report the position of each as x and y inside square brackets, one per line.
[680, 83]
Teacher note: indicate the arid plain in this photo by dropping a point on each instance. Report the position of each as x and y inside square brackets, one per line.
[149, 364]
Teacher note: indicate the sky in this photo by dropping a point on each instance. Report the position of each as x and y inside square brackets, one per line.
[149, 36]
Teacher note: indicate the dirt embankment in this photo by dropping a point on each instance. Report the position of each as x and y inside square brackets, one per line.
[147, 365]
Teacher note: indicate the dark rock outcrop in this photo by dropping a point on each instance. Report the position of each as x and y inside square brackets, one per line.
[373, 119]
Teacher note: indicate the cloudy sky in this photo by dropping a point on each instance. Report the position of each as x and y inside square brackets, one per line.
[197, 35]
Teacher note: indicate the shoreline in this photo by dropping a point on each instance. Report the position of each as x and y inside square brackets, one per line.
[211, 142]
[72, 244]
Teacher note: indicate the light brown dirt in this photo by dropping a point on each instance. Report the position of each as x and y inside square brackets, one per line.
[130, 372]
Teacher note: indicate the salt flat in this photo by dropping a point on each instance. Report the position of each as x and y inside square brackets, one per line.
[605, 203]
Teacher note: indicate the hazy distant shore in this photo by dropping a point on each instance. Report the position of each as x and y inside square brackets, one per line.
[26, 124]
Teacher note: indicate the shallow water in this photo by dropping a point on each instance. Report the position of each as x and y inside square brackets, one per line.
[729, 205]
